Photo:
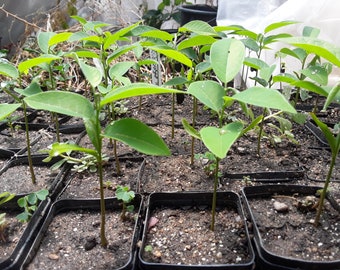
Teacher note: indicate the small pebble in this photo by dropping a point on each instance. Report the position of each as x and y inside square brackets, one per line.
[280, 207]
[53, 256]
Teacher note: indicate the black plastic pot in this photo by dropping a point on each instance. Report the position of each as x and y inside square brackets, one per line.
[269, 177]
[198, 12]
[188, 200]
[26, 240]
[56, 185]
[66, 205]
[265, 258]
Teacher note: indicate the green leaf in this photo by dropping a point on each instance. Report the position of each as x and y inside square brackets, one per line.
[8, 70]
[331, 96]
[176, 81]
[210, 93]
[219, 140]
[319, 47]
[277, 25]
[67, 103]
[309, 31]
[190, 130]
[24, 66]
[135, 90]
[42, 194]
[61, 148]
[32, 199]
[297, 53]
[264, 97]
[198, 27]
[138, 136]
[318, 74]
[173, 54]
[59, 38]
[255, 63]
[92, 74]
[43, 40]
[23, 217]
[310, 86]
[196, 41]
[5, 197]
[8, 109]
[227, 57]
[32, 89]
[120, 68]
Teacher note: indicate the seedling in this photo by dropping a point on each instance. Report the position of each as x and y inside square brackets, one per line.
[4, 197]
[30, 203]
[208, 162]
[124, 194]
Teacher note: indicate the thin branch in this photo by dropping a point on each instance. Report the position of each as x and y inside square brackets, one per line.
[20, 19]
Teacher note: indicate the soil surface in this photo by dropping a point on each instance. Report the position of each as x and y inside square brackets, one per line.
[292, 233]
[183, 236]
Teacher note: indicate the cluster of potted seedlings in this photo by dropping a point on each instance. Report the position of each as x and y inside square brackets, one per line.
[202, 61]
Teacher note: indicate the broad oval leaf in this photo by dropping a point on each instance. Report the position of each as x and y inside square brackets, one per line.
[138, 136]
[264, 97]
[219, 140]
[226, 58]
[92, 74]
[120, 68]
[210, 93]
[198, 27]
[196, 41]
[318, 74]
[173, 54]
[43, 39]
[61, 102]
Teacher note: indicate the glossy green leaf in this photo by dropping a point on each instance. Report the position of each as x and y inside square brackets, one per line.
[310, 86]
[5, 197]
[42, 194]
[226, 58]
[264, 97]
[61, 102]
[59, 38]
[173, 54]
[24, 66]
[8, 109]
[138, 136]
[135, 90]
[32, 89]
[9, 70]
[61, 148]
[277, 25]
[210, 93]
[255, 63]
[195, 41]
[219, 140]
[198, 27]
[120, 68]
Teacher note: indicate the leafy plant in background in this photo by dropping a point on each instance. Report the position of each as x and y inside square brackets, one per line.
[166, 10]
[125, 195]
[30, 203]
[4, 197]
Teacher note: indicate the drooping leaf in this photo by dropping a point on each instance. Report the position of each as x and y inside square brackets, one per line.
[92, 74]
[24, 66]
[8, 109]
[198, 27]
[190, 130]
[9, 70]
[138, 136]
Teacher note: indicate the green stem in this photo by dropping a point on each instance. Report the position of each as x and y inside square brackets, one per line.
[324, 191]
[28, 142]
[173, 116]
[194, 113]
[261, 124]
[213, 207]
[103, 239]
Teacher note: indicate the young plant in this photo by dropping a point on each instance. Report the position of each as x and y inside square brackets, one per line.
[125, 195]
[30, 203]
[4, 197]
[334, 144]
[127, 130]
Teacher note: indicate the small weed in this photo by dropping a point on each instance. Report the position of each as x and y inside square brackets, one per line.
[30, 203]
[124, 194]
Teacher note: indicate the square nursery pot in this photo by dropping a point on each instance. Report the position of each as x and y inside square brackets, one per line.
[284, 234]
[18, 167]
[178, 224]
[198, 12]
[69, 238]
[17, 232]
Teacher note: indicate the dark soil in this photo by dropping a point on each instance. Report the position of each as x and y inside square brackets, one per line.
[184, 237]
[72, 242]
[292, 233]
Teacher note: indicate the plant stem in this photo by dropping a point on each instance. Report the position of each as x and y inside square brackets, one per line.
[260, 133]
[173, 116]
[116, 157]
[213, 207]
[56, 123]
[28, 142]
[324, 191]
[194, 113]
[102, 202]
